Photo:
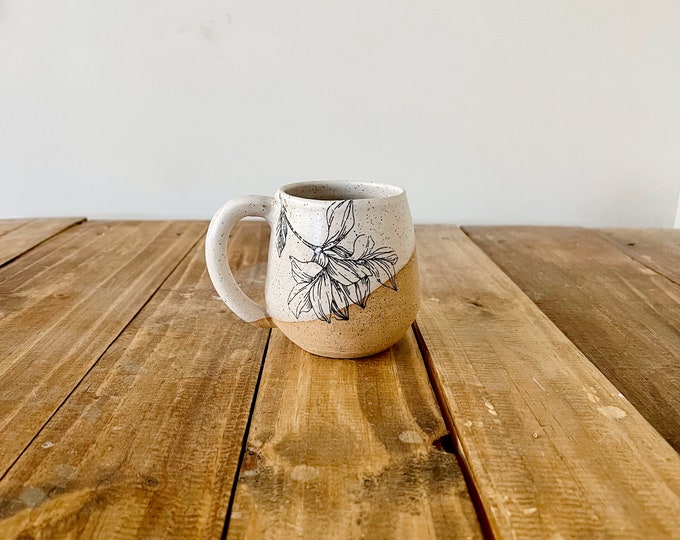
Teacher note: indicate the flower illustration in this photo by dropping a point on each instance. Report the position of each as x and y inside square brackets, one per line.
[336, 276]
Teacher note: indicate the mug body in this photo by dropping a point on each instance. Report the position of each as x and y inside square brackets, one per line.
[342, 278]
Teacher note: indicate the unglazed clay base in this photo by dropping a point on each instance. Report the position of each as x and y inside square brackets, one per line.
[368, 331]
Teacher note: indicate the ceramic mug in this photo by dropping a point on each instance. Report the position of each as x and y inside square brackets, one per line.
[342, 277]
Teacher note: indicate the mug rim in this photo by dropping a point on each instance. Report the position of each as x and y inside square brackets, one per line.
[393, 191]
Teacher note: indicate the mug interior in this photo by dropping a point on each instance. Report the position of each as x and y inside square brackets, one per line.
[340, 190]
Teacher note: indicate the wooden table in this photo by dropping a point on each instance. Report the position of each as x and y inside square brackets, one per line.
[538, 395]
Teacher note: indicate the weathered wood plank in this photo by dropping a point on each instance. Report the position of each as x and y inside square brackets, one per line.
[552, 447]
[344, 449]
[149, 443]
[8, 225]
[19, 235]
[624, 317]
[64, 302]
[658, 249]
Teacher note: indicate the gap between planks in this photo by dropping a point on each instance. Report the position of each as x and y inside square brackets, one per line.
[29, 234]
[459, 451]
[244, 440]
[613, 301]
[77, 384]
[552, 447]
[64, 302]
[656, 249]
[345, 448]
[177, 387]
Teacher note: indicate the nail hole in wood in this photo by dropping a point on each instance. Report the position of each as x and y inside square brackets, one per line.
[445, 444]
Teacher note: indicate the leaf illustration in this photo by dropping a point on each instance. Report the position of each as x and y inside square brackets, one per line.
[316, 291]
[339, 251]
[340, 301]
[359, 292]
[313, 291]
[305, 274]
[281, 231]
[346, 271]
[383, 271]
[320, 296]
[379, 262]
[363, 244]
[336, 277]
[340, 218]
[304, 271]
[299, 299]
[320, 257]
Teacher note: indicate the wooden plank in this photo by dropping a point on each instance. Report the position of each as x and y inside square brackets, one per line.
[19, 235]
[149, 443]
[552, 447]
[64, 302]
[658, 249]
[624, 317]
[344, 449]
[7, 225]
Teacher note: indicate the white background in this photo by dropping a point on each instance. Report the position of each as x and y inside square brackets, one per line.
[496, 111]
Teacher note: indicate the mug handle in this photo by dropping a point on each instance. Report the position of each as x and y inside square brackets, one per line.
[217, 259]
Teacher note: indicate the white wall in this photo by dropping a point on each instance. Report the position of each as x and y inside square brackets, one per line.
[496, 111]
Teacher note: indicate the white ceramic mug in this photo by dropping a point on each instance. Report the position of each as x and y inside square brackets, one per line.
[342, 277]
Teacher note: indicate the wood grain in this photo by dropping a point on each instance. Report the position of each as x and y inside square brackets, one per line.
[64, 302]
[552, 447]
[624, 317]
[658, 249]
[345, 449]
[148, 444]
[19, 235]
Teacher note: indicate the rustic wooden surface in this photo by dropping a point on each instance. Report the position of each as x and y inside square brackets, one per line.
[658, 249]
[134, 404]
[624, 316]
[148, 443]
[64, 302]
[302, 474]
[17, 236]
[552, 447]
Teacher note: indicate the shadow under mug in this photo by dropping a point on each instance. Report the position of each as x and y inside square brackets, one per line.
[342, 277]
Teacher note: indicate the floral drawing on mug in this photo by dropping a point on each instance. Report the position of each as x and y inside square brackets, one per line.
[336, 275]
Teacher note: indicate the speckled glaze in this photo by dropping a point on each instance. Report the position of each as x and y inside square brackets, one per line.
[342, 276]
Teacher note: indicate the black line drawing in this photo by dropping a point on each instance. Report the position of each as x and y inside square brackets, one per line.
[335, 277]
